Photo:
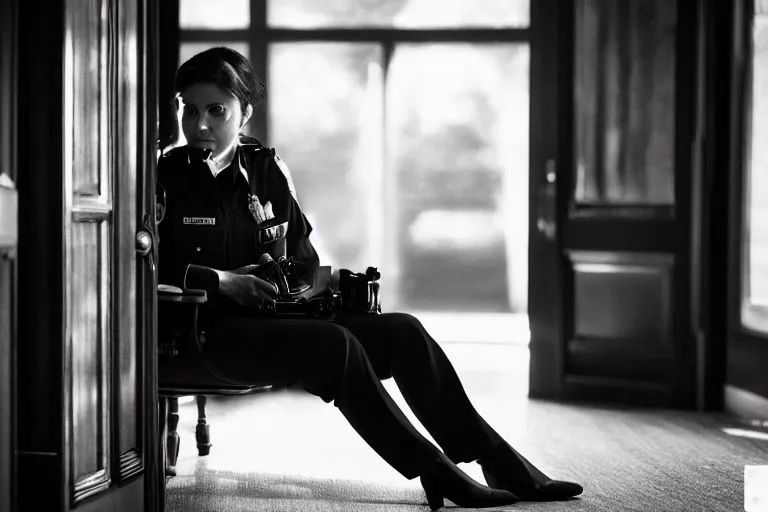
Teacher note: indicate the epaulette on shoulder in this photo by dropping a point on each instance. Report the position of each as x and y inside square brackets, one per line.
[174, 152]
[250, 143]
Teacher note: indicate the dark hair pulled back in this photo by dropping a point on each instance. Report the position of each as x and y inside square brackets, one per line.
[226, 68]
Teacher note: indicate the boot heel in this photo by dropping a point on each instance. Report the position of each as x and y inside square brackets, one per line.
[434, 495]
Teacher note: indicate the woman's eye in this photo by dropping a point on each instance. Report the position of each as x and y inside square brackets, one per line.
[189, 110]
[217, 110]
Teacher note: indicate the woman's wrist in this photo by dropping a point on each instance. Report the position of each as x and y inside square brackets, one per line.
[224, 279]
[202, 278]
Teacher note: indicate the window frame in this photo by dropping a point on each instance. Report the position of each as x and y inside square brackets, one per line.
[753, 317]
[260, 36]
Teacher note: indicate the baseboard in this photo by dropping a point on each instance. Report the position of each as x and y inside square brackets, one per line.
[745, 404]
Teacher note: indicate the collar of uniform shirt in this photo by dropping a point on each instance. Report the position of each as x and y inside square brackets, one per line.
[216, 165]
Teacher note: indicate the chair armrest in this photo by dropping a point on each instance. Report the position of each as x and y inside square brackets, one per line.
[168, 293]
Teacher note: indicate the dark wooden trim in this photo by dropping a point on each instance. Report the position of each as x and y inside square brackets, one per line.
[686, 69]
[168, 40]
[90, 485]
[40, 369]
[740, 74]
[9, 50]
[258, 126]
[266, 34]
[619, 391]
[131, 464]
[709, 203]
[745, 404]
[638, 212]
[551, 69]
[150, 46]
[129, 497]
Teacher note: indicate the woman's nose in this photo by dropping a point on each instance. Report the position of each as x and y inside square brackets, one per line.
[202, 123]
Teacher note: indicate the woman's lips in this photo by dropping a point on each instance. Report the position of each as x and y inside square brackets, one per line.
[203, 143]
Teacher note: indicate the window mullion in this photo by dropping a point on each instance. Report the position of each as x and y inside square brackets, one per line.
[259, 56]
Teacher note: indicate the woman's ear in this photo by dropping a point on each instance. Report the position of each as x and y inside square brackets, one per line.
[246, 115]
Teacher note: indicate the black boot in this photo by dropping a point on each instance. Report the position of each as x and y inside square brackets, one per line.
[442, 479]
[506, 469]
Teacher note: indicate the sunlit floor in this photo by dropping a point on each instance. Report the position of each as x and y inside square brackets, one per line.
[289, 451]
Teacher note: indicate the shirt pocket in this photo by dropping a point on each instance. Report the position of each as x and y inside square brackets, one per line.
[204, 245]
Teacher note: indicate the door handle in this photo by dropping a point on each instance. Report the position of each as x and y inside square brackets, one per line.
[143, 243]
[546, 221]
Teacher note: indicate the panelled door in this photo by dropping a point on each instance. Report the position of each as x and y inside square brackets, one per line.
[88, 411]
[613, 108]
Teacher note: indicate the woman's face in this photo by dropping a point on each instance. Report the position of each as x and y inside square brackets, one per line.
[211, 118]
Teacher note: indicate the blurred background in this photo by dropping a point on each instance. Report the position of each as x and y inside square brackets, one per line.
[407, 155]
[410, 153]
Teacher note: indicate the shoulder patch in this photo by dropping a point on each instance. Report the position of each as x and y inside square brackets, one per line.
[287, 173]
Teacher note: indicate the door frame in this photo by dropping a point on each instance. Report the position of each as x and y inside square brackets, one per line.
[8, 250]
[746, 350]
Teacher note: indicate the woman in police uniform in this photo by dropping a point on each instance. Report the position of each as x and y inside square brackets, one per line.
[209, 240]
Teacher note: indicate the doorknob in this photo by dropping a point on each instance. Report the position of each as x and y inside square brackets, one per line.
[143, 242]
[547, 219]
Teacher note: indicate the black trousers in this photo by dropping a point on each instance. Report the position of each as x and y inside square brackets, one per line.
[342, 361]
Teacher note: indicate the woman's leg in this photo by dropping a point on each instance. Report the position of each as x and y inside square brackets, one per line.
[331, 363]
[399, 346]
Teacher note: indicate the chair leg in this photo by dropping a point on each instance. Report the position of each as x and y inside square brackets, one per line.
[173, 439]
[162, 420]
[202, 432]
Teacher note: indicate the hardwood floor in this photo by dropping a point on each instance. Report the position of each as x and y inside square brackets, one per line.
[289, 451]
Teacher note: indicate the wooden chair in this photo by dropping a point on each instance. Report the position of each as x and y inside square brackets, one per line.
[182, 370]
[179, 357]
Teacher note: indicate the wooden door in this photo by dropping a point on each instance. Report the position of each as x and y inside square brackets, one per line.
[611, 250]
[746, 390]
[8, 246]
[87, 386]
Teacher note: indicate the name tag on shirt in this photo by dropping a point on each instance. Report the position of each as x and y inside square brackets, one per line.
[206, 221]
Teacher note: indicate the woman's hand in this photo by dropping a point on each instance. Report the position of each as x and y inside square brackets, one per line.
[246, 290]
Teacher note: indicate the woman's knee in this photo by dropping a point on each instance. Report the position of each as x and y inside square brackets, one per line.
[407, 333]
[404, 322]
[333, 341]
[332, 348]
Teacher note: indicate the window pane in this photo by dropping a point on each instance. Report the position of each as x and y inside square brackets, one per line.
[398, 13]
[325, 118]
[219, 15]
[458, 147]
[447, 220]
[625, 101]
[189, 50]
[755, 283]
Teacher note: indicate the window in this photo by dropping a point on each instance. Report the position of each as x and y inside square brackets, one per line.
[308, 14]
[625, 102]
[405, 126]
[754, 311]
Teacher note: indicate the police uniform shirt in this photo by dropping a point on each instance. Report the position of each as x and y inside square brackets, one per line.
[208, 224]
